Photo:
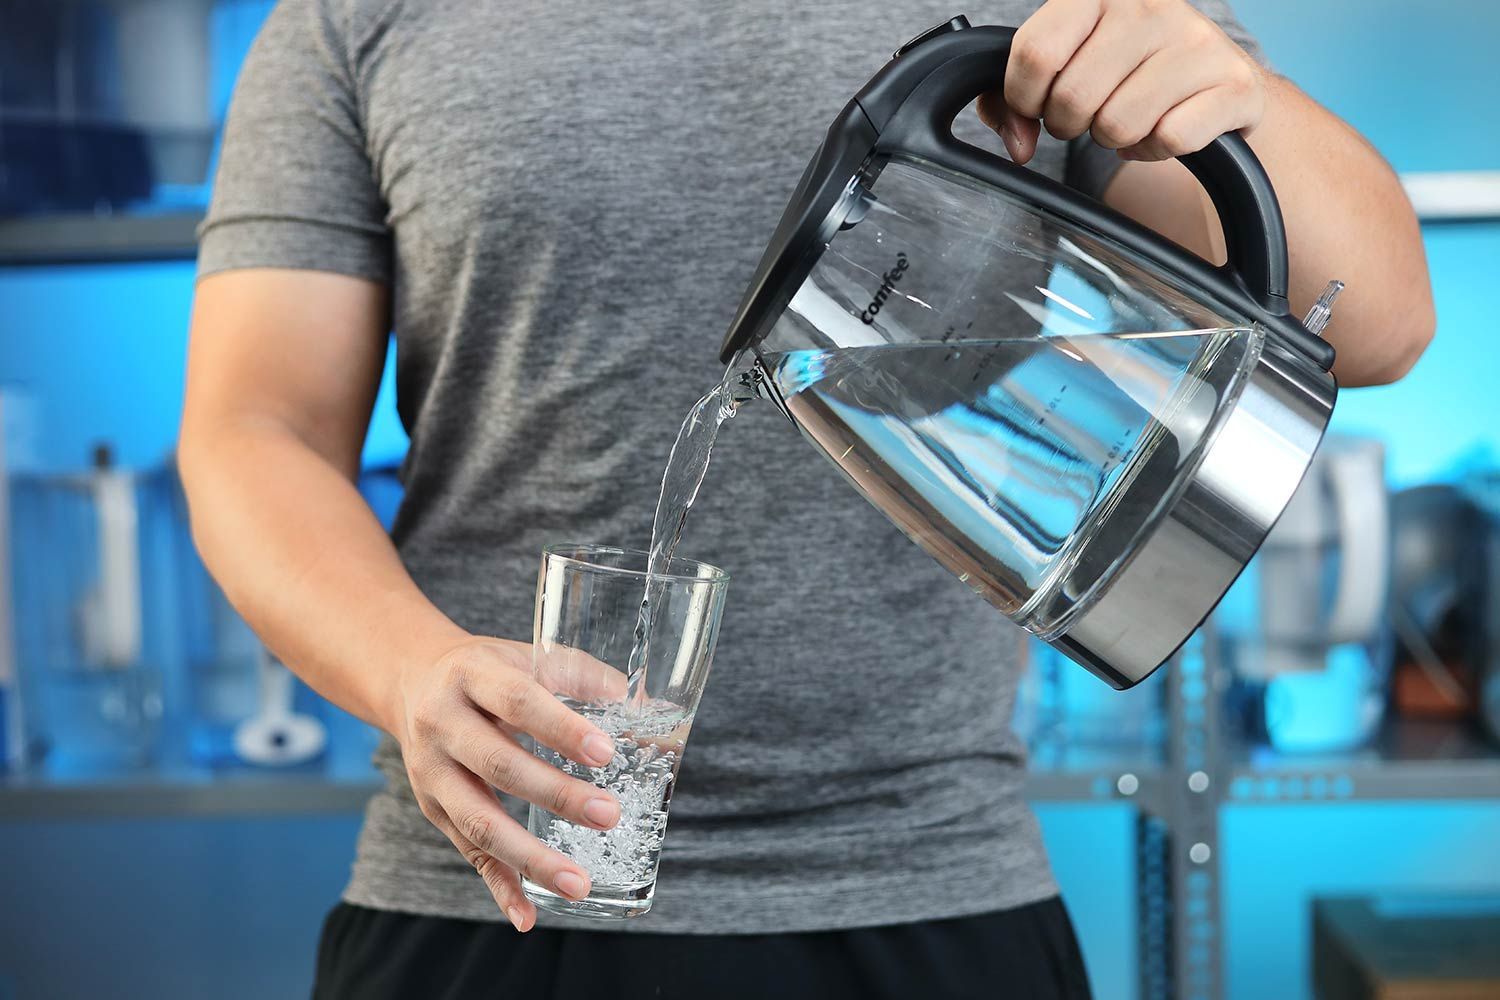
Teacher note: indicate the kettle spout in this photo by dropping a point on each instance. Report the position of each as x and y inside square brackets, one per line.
[754, 382]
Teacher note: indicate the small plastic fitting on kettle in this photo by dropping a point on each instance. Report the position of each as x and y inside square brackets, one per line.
[1322, 310]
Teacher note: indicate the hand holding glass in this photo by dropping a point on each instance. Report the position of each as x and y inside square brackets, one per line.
[588, 608]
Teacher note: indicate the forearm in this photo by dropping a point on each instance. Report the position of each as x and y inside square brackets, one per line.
[304, 560]
[1347, 217]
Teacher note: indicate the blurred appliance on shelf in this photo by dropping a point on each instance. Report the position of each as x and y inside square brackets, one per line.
[244, 706]
[127, 651]
[1435, 557]
[17, 454]
[277, 735]
[1483, 489]
[89, 642]
[1406, 948]
[71, 166]
[241, 706]
[102, 101]
[1305, 629]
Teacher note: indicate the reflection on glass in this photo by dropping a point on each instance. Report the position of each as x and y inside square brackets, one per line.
[1017, 395]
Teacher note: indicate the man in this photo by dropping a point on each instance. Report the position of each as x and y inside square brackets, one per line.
[557, 210]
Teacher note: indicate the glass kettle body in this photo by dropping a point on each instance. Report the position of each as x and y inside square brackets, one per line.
[1089, 427]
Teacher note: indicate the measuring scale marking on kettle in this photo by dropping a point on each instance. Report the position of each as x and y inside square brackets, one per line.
[1089, 426]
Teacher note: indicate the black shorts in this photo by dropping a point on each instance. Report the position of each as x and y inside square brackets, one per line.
[1029, 953]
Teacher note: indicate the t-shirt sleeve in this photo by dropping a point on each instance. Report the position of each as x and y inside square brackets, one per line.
[1090, 166]
[295, 187]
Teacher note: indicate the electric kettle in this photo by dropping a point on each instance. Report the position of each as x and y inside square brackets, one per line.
[1091, 427]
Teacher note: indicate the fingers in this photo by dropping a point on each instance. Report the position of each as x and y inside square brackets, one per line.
[1190, 126]
[1018, 132]
[1156, 86]
[1154, 78]
[459, 802]
[572, 673]
[521, 703]
[1020, 135]
[1042, 47]
[508, 767]
[503, 883]
[1107, 57]
[991, 110]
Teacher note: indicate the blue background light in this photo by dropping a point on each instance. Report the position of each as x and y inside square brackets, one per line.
[101, 349]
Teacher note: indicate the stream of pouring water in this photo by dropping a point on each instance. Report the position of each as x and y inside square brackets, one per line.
[686, 467]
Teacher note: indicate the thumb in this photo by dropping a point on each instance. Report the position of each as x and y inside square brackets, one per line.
[1018, 132]
[1020, 135]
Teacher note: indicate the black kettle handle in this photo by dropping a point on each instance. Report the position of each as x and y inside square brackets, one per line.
[914, 101]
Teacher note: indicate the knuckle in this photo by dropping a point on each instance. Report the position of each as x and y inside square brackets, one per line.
[1198, 32]
[477, 859]
[1242, 78]
[499, 887]
[1069, 98]
[478, 828]
[491, 870]
[1171, 140]
[1111, 129]
[458, 670]
[514, 698]
[496, 878]
[533, 866]
[430, 807]
[500, 767]
[1035, 55]
[425, 719]
[1064, 129]
[560, 797]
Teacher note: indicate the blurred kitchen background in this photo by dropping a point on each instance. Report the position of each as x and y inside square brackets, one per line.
[1315, 781]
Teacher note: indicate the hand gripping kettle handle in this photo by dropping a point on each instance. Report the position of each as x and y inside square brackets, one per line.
[1254, 231]
[913, 103]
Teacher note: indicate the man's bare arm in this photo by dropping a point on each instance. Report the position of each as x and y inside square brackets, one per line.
[1347, 217]
[282, 372]
[1155, 79]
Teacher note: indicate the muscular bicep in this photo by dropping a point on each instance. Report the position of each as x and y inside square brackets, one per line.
[1165, 197]
[293, 350]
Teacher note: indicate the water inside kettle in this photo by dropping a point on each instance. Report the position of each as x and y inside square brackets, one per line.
[1002, 457]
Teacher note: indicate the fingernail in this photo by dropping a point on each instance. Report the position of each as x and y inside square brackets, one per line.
[598, 748]
[517, 918]
[571, 885]
[600, 812]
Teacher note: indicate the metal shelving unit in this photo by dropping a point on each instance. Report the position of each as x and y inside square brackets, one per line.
[1098, 776]
[1410, 760]
[1181, 922]
[1178, 792]
[1179, 797]
[82, 239]
[186, 791]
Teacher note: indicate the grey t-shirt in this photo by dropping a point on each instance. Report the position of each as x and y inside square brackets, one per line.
[566, 201]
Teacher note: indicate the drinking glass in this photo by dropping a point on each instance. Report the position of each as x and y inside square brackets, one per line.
[588, 619]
